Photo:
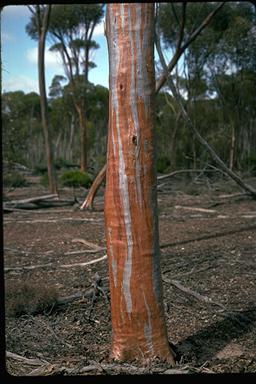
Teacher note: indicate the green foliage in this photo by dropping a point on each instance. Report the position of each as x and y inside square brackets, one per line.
[44, 179]
[62, 163]
[76, 179]
[56, 89]
[20, 123]
[15, 180]
[40, 169]
[251, 163]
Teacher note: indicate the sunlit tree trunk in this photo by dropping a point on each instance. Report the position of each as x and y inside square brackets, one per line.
[42, 29]
[131, 222]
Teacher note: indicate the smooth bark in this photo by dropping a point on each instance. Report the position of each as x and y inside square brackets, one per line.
[131, 224]
[42, 30]
[88, 202]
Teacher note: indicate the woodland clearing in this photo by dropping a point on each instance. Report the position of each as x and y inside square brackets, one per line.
[208, 261]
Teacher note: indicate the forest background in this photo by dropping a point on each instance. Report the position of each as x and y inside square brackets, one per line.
[216, 78]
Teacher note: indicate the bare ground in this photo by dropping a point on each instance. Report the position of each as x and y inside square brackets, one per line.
[209, 284]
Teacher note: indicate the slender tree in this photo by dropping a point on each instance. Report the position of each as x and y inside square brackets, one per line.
[131, 224]
[71, 30]
[41, 16]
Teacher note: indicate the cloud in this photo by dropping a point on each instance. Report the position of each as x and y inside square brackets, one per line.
[51, 58]
[20, 82]
[99, 29]
[7, 37]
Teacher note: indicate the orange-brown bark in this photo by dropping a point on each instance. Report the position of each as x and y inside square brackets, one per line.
[131, 225]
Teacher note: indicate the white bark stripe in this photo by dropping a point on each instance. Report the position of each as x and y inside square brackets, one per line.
[133, 106]
[123, 183]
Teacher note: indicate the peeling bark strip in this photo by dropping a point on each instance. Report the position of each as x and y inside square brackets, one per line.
[131, 225]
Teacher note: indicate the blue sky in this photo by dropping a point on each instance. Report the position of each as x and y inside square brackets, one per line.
[19, 54]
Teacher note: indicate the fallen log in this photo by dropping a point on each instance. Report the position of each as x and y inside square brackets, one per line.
[33, 199]
[23, 205]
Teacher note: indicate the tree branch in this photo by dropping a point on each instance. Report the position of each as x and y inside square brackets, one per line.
[192, 127]
[180, 51]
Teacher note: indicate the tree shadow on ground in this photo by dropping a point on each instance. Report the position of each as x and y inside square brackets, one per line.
[206, 343]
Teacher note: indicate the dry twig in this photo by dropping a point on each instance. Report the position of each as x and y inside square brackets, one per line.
[195, 294]
[23, 359]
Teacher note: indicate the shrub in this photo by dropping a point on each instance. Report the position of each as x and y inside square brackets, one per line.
[76, 179]
[62, 163]
[27, 298]
[44, 179]
[15, 180]
[251, 161]
[40, 169]
[163, 162]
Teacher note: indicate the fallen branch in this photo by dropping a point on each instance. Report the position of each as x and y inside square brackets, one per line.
[31, 267]
[8, 207]
[195, 209]
[89, 244]
[47, 201]
[84, 251]
[237, 194]
[43, 370]
[83, 264]
[23, 359]
[27, 267]
[195, 294]
[32, 199]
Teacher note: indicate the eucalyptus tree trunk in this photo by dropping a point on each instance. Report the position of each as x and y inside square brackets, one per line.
[131, 221]
[42, 30]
